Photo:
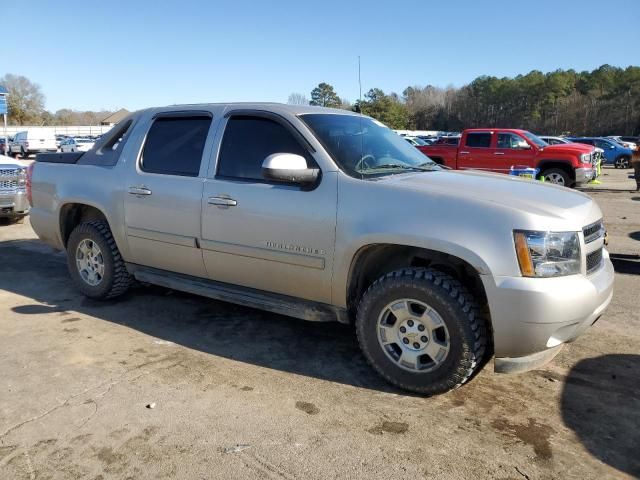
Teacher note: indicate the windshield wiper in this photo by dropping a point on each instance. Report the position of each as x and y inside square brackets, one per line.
[419, 168]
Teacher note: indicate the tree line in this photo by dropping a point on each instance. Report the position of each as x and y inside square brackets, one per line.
[26, 106]
[604, 101]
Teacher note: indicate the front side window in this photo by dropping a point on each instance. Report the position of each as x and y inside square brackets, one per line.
[603, 144]
[363, 147]
[248, 141]
[536, 140]
[510, 140]
[174, 145]
[478, 140]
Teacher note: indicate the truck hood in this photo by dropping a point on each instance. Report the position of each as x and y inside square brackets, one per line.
[8, 162]
[577, 148]
[524, 196]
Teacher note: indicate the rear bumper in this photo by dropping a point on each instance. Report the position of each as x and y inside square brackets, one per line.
[530, 316]
[13, 204]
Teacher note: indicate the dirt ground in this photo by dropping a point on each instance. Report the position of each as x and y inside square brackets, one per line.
[242, 394]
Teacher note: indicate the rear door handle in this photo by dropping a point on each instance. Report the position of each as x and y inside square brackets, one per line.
[463, 153]
[222, 201]
[139, 190]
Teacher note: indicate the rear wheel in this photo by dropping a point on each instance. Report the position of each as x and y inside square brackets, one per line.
[24, 154]
[622, 162]
[421, 330]
[95, 263]
[557, 176]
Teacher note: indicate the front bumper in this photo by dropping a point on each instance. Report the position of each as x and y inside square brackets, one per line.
[533, 315]
[584, 175]
[13, 204]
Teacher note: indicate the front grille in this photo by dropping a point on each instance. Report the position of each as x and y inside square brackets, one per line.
[594, 261]
[8, 184]
[8, 179]
[593, 232]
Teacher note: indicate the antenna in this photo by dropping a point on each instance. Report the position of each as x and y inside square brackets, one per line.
[359, 85]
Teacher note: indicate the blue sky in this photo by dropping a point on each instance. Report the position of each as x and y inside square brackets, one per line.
[111, 54]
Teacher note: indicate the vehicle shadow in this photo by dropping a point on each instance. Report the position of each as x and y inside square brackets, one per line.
[635, 235]
[625, 263]
[327, 351]
[601, 404]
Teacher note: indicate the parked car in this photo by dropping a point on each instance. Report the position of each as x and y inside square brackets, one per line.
[76, 145]
[34, 140]
[321, 216]
[497, 150]
[60, 139]
[4, 149]
[13, 198]
[614, 153]
[599, 152]
[624, 141]
[447, 141]
[415, 141]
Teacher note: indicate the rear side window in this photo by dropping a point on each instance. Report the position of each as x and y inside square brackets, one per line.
[478, 140]
[248, 141]
[174, 145]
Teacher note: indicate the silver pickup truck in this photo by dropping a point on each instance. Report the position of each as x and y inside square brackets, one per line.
[325, 214]
[13, 196]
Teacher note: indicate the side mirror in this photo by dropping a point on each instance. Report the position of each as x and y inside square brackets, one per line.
[523, 146]
[288, 168]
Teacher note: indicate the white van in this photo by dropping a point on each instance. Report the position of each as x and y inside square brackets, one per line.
[33, 140]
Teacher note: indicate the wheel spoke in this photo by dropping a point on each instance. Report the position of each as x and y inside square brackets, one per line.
[436, 351]
[401, 310]
[410, 358]
[387, 334]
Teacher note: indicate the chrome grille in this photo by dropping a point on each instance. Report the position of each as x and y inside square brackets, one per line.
[8, 184]
[594, 260]
[593, 232]
[8, 179]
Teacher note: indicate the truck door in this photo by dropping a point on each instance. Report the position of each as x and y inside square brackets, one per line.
[511, 150]
[261, 234]
[477, 152]
[164, 194]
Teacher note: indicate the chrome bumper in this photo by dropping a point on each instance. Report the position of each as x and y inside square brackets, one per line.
[13, 204]
[584, 175]
[531, 316]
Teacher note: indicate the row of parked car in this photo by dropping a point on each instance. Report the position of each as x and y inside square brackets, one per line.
[34, 140]
[614, 150]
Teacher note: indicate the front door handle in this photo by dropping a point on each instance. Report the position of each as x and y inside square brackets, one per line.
[499, 153]
[139, 190]
[222, 201]
[464, 153]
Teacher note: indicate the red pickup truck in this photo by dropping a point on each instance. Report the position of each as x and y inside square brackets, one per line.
[497, 150]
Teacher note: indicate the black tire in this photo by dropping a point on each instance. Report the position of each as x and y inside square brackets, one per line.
[468, 335]
[558, 172]
[622, 162]
[24, 154]
[116, 279]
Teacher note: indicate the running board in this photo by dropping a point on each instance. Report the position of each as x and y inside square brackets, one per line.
[249, 297]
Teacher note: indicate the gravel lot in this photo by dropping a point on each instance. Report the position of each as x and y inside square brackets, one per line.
[238, 393]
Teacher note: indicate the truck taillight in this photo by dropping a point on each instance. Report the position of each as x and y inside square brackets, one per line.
[28, 185]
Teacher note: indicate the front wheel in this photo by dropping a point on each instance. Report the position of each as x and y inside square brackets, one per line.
[557, 176]
[421, 330]
[95, 263]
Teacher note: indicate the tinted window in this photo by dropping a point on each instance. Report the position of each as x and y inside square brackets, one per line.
[602, 144]
[174, 145]
[482, 140]
[248, 141]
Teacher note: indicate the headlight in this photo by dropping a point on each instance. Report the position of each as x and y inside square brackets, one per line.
[22, 176]
[585, 158]
[547, 254]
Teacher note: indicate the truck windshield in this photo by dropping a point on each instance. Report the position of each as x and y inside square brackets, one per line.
[536, 139]
[363, 147]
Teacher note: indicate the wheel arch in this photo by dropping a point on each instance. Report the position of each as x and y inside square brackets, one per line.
[375, 260]
[72, 214]
[562, 164]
